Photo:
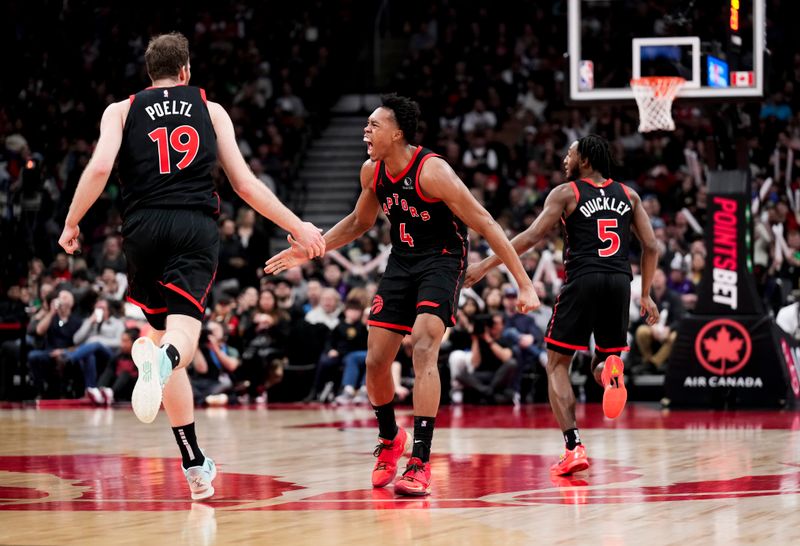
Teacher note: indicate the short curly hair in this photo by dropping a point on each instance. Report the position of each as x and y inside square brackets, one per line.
[406, 114]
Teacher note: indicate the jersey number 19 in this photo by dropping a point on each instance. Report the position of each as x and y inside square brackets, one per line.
[183, 139]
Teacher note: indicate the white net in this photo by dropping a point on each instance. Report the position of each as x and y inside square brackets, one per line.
[654, 96]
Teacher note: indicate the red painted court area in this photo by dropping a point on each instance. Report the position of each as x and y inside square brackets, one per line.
[489, 475]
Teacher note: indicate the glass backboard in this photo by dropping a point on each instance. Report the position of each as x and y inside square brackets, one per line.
[716, 45]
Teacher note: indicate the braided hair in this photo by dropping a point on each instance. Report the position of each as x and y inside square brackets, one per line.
[596, 150]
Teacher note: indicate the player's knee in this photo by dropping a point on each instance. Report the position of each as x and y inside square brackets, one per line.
[426, 348]
[375, 364]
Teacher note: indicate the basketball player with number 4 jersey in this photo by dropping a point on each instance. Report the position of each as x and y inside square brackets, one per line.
[428, 208]
[598, 215]
[168, 138]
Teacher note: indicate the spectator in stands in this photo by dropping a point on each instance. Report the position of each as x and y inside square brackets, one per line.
[347, 346]
[111, 255]
[111, 285]
[328, 310]
[654, 343]
[528, 339]
[57, 328]
[479, 118]
[334, 278]
[98, 338]
[213, 367]
[313, 295]
[117, 380]
[488, 368]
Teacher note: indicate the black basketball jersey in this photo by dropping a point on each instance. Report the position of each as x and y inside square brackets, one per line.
[168, 149]
[419, 226]
[598, 232]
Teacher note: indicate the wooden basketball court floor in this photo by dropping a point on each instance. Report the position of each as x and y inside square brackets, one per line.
[300, 475]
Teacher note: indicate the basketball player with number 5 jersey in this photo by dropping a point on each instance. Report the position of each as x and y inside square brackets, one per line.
[428, 208]
[598, 216]
[168, 137]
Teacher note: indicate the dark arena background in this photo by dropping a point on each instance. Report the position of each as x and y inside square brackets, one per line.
[707, 449]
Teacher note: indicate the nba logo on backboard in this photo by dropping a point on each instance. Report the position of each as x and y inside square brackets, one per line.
[586, 76]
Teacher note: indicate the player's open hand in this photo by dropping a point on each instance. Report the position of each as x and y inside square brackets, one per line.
[309, 237]
[649, 309]
[527, 300]
[291, 257]
[474, 274]
[69, 239]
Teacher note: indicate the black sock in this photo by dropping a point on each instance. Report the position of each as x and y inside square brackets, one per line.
[572, 438]
[173, 354]
[387, 425]
[423, 437]
[187, 442]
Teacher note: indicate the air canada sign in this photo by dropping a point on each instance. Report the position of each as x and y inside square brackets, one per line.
[723, 347]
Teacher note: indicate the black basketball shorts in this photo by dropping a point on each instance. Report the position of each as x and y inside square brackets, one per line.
[412, 286]
[172, 261]
[596, 303]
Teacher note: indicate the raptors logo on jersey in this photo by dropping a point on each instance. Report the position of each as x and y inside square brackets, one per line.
[419, 225]
[598, 231]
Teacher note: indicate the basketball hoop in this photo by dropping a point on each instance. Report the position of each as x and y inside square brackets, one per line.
[654, 96]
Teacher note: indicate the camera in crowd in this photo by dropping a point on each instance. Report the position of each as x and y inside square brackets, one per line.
[481, 324]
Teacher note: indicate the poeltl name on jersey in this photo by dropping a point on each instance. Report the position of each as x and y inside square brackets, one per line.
[169, 108]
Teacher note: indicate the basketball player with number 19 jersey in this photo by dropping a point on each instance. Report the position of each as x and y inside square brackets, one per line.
[598, 215]
[168, 138]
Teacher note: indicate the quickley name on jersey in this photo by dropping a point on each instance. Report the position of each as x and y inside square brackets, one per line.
[599, 229]
[419, 226]
[168, 150]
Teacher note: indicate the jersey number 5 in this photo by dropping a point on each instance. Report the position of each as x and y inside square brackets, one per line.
[405, 237]
[183, 139]
[605, 234]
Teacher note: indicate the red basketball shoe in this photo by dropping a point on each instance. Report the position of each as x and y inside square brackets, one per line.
[388, 453]
[573, 460]
[416, 480]
[615, 394]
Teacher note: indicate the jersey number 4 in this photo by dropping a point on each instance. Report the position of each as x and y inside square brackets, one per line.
[604, 227]
[405, 237]
[183, 139]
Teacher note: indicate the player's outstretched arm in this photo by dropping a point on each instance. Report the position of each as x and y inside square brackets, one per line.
[95, 175]
[439, 181]
[349, 228]
[554, 206]
[256, 194]
[644, 232]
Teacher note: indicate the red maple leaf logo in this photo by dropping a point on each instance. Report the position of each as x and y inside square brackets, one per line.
[723, 348]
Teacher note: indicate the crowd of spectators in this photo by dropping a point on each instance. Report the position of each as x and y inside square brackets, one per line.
[490, 81]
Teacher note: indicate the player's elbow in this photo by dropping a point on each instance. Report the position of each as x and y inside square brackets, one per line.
[100, 168]
[361, 223]
[650, 246]
[243, 189]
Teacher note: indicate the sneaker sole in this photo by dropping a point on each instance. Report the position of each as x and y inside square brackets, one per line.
[614, 399]
[406, 447]
[577, 466]
[208, 492]
[147, 393]
[407, 493]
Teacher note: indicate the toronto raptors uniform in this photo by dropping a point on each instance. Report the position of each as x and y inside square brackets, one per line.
[596, 295]
[171, 241]
[429, 251]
